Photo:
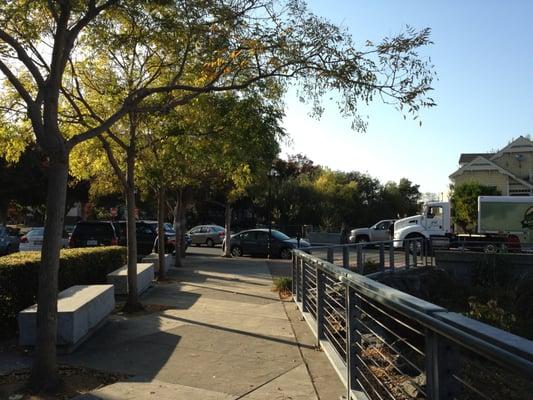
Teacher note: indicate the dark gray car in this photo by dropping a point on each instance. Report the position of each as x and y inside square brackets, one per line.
[9, 240]
[255, 242]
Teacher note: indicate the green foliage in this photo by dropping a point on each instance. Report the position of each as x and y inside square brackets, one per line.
[491, 314]
[19, 276]
[305, 193]
[283, 284]
[464, 203]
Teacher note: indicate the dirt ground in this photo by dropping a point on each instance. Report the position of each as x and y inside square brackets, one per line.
[76, 381]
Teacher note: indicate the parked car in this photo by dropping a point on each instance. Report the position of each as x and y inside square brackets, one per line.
[209, 235]
[93, 233]
[33, 240]
[255, 242]
[378, 232]
[170, 237]
[9, 240]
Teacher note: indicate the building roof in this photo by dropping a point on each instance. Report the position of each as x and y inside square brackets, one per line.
[467, 157]
[483, 164]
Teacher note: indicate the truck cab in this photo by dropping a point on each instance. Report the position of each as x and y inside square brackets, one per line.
[435, 221]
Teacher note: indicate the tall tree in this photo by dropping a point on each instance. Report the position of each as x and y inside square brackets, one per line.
[202, 47]
[464, 200]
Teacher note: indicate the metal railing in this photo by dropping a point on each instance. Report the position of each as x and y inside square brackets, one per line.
[370, 257]
[386, 344]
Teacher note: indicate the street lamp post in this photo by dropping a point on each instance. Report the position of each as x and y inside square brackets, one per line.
[271, 174]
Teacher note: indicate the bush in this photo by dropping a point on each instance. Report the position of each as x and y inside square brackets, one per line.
[19, 275]
[283, 284]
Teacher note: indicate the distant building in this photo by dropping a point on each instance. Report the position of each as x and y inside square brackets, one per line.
[510, 170]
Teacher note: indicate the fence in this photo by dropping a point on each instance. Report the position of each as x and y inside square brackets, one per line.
[366, 258]
[386, 344]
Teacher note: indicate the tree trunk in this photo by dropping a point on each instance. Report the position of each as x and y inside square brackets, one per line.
[44, 374]
[344, 233]
[161, 207]
[132, 303]
[227, 226]
[178, 228]
[183, 224]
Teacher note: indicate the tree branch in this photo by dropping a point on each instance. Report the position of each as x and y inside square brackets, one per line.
[17, 84]
[23, 57]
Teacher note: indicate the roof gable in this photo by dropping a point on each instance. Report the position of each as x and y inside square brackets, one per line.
[483, 164]
[467, 157]
[519, 145]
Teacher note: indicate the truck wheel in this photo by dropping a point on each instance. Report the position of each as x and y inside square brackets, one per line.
[362, 239]
[414, 244]
[490, 249]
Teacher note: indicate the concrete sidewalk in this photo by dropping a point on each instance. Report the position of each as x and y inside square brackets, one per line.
[216, 331]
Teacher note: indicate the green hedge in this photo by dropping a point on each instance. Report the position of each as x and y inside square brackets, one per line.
[19, 275]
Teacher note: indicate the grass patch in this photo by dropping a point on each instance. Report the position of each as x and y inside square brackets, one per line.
[283, 285]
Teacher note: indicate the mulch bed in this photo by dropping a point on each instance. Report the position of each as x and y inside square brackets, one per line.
[76, 381]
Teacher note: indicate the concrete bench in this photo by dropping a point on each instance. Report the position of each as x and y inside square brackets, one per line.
[82, 309]
[154, 258]
[119, 278]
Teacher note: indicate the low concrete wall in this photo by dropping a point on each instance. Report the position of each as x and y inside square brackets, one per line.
[324, 238]
[154, 258]
[81, 310]
[464, 265]
[119, 278]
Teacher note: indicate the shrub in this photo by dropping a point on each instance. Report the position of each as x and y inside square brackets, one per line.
[371, 266]
[283, 284]
[19, 275]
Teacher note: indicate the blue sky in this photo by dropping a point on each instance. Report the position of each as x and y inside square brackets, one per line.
[483, 55]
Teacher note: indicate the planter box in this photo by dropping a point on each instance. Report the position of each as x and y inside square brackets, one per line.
[119, 278]
[154, 258]
[82, 309]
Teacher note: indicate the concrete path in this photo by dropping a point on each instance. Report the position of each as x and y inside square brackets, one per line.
[216, 331]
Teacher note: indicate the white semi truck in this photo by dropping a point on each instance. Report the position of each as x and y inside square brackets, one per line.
[501, 219]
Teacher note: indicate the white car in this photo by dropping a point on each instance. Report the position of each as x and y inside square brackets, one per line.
[378, 232]
[33, 240]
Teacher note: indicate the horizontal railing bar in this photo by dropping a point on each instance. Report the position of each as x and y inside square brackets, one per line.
[364, 285]
[473, 389]
[384, 357]
[362, 374]
[341, 315]
[399, 354]
[336, 345]
[341, 306]
[397, 336]
[389, 316]
[362, 362]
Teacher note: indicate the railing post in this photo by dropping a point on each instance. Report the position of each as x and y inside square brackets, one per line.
[304, 290]
[320, 289]
[391, 255]
[329, 256]
[294, 276]
[406, 246]
[346, 257]
[352, 339]
[360, 265]
[415, 252]
[299, 264]
[382, 257]
[441, 360]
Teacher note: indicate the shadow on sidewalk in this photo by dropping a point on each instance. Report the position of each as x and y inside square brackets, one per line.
[237, 331]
